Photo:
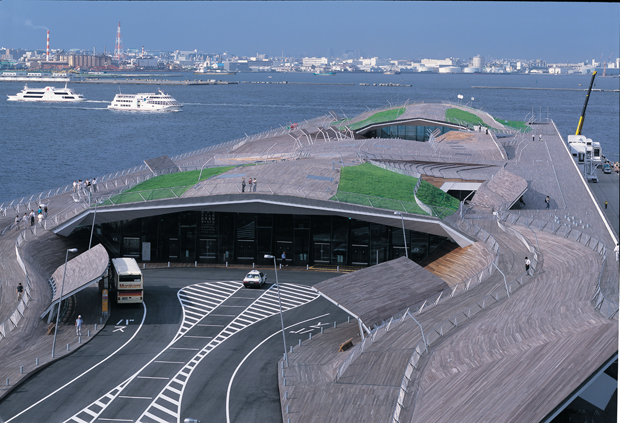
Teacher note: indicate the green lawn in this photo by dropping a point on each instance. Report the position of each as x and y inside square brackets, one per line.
[379, 117]
[453, 114]
[389, 188]
[166, 186]
[519, 125]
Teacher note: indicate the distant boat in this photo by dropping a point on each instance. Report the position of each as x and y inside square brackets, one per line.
[146, 102]
[46, 94]
[392, 72]
[325, 73]
[206, 71]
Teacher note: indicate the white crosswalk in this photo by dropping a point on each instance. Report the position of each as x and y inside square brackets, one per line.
[198, 301]
[168, 403]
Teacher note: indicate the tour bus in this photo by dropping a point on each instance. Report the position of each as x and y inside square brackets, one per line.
[127, 281]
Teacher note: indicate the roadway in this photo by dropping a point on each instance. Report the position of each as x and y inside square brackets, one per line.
[201, 347]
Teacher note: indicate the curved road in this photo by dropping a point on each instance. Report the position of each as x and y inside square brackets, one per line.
[200, 342]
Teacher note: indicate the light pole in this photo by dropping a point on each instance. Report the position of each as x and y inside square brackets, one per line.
[404, 237]
[70, 250]
[275, 267]
[92, 229]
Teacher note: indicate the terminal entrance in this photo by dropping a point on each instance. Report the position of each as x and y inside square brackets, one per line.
[245, 238]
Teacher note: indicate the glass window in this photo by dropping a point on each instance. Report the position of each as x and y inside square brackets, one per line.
[131, 247]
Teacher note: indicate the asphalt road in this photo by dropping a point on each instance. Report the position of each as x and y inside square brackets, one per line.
[202, 347]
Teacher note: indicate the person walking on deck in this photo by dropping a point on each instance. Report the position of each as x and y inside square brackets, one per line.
[19, 290]
[547, 202]
[16, 222]
[254, 184]
[74, 186]
[527, 266]
[539, 137]
[250, 184]
[25, 220]
[242, 184]
[617, 251]
[78, 325]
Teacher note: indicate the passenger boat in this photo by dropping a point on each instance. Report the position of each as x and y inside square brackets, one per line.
[208, 71]
[145, 102]
[46, 94]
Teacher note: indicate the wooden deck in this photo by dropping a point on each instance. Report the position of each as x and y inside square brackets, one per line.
[513, 362]
[403, 283]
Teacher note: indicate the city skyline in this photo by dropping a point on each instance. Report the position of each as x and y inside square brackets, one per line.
[554, 32]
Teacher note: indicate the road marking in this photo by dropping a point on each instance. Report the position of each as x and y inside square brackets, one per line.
[248, 355]
[230, 288]
[232, 306]
[123, 396]
[196, 336]
[219, 326]
[152, 377]
[223, 315]
[115, 420]
[119, 322]
[87, 371]
[119, 329]
[169, 362]
[254, 313]
[179, 348]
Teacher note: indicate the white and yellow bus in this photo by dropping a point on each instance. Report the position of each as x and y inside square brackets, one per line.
[127, 281]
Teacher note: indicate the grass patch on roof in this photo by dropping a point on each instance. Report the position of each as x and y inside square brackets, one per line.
[171, 185]
[388, 189]
[379, 117]
[454, 115]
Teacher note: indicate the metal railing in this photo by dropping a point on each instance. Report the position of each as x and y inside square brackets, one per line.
[601, 301]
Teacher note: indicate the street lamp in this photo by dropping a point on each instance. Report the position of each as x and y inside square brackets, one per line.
[275, 267]
[404, 237]
[70, 250]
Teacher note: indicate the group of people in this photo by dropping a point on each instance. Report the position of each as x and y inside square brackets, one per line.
[28, 219]
[83, 187]
[251, 185]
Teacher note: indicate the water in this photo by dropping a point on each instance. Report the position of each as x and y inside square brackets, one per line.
[44, 146]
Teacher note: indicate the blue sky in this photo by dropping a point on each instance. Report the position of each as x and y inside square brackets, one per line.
[555, 32]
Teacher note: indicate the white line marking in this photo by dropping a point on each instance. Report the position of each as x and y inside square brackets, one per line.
[222, 315]
[219, 326]
[152, 377]
[115, 420]
[232, 306]
[96, 365]
[248, 355]
[123, 396]
[179, 348]
[170, 362]
[196, 336]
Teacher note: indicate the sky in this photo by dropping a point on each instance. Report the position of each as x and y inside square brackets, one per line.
[551, 31]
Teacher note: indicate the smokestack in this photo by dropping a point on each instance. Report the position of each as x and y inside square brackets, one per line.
[47, 55]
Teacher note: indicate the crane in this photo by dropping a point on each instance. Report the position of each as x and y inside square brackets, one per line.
[583, 112]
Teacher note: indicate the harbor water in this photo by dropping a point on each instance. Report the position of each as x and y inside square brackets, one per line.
[47, 145]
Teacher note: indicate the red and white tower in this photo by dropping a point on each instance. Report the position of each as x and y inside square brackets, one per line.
[47, 54]
[118, 47]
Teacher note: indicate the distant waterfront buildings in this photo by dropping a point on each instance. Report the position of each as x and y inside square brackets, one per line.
[348, 61]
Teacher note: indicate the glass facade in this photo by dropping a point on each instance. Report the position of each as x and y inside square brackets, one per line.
[406, 132]
[214, 237]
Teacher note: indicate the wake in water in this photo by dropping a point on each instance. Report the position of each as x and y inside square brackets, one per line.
[96, 101]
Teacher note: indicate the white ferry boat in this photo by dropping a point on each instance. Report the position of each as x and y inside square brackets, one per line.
[46, 94]
[145, 102]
